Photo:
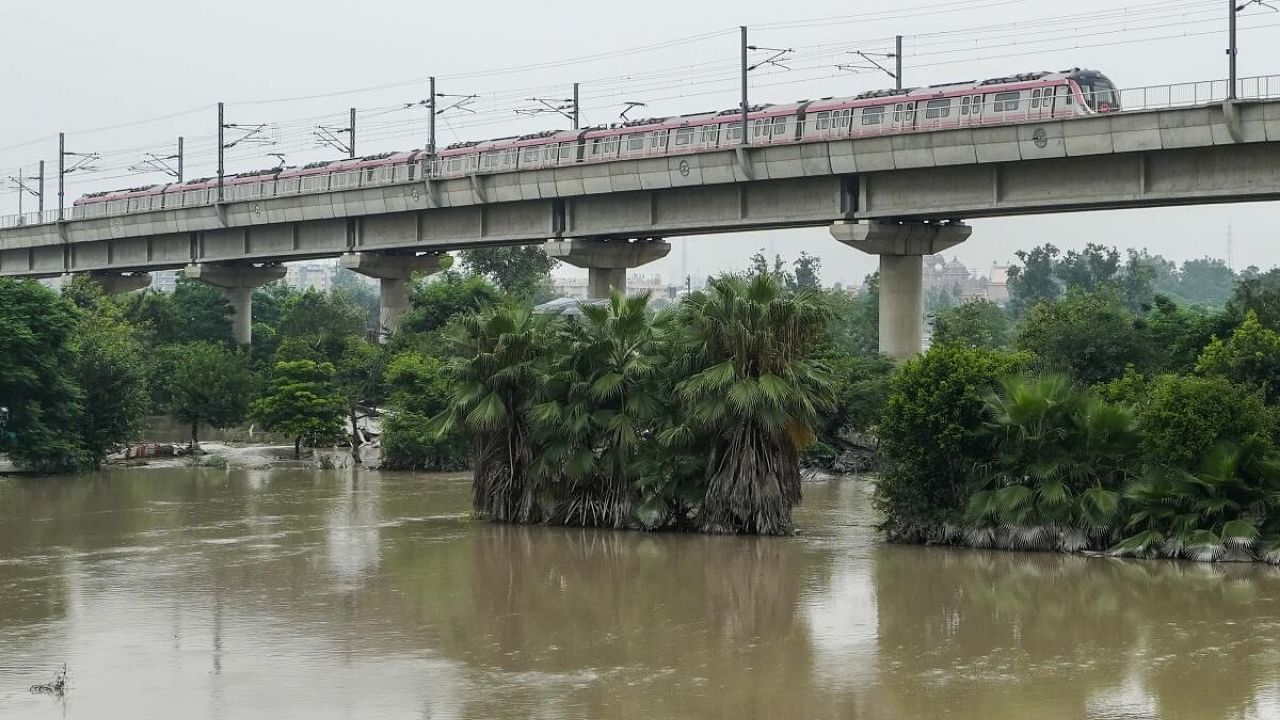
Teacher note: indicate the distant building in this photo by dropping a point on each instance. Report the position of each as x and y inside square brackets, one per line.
[310, 276]
[942, 274]
[998, 283]
[576, 287]
[165, 281]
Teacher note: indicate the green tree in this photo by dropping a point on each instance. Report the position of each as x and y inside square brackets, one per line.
[930, 440]
[755, 390]
[301, 402]
[1093, 336]
[359, 379]
[1225, 506]
[359, 291]
[211, 384]
[434, 302]
[601, 400]
[1035, 280]
[977, 323]
[1251, 356]
[39, 400]
[1060, 459]
[492, 375]
[855, 319]
[419, 391]
[1260, 293]
[1183, 417]
[200, 313]
[108, 367]
[807, 271]
[323, 321]
[1206, 281]
[522, 271]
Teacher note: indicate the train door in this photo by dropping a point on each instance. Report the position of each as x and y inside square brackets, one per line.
[976, 104]
[904, 115]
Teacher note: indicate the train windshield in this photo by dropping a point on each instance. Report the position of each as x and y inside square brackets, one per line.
[1100, 95]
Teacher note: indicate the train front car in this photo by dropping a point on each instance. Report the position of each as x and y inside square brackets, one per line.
[1100, 94]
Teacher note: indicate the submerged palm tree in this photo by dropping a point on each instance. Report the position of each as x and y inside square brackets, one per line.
[493, 374]
[754, 390]
[1060, 459]
[1210, 514]
[600, 401]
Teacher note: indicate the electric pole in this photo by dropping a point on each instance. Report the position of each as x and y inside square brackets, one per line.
[181, 156]
[351, 135]
[222, 147]
[1232, 9]
[576, 107]
[431, 124]
[743, 33]
[62, 172]
[897, 54]
[83, 163]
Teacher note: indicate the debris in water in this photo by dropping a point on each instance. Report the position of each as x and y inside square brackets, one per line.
[57, 687]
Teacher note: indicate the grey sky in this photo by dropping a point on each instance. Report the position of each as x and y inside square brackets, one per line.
[76, 65]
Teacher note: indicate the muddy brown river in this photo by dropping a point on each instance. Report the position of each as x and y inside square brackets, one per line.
[282, 593]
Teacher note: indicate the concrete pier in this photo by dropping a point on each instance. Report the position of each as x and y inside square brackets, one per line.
[607, 261]
[393, 271]
[237, 283]
[901, 247]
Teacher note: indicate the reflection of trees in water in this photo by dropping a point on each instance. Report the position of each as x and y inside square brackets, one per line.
[1038, 635]
[629, 625]
[352, 528]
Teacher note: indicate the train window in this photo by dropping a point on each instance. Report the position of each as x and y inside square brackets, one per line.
[897, 113]
[569, 152]
[822, 121]
[935, 109]
[873, 115]
[658, 140]
[530, 155]
[1005, 102]
[1069, 95]
[759, 127]
[1035, 98]
[711, 134]
[733, 131]
[779, 126]
[635, 141]
[684, 136]
[964, 105]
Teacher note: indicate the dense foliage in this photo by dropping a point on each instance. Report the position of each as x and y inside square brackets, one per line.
[1140, 416]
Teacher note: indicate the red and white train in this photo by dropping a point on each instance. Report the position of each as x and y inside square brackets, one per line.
[1016, 99]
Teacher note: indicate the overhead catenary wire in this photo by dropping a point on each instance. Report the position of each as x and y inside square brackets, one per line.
[386, 122]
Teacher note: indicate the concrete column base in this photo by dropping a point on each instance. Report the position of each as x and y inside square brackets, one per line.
[393, 273]
[237, 283]
[607, 261]
[901, 247]
[116, 283]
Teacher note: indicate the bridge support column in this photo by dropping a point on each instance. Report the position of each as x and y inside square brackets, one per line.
[901, 247]
[393, 273]
[117, 283]
[607, 261]
[237, 283]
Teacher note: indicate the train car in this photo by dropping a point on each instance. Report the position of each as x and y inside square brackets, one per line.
[1029, 97]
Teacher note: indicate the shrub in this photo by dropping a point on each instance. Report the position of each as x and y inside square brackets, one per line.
[929, 436]
[1185, 416]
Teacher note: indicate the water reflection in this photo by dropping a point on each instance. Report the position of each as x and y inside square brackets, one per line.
[1070, 637]
[287, 593]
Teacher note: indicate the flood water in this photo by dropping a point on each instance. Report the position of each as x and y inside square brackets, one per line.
[205, 593]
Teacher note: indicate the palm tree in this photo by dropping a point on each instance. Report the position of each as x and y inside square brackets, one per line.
[493, 376]
[1219, 510]
[1060, 459]
[753, 389]
[601, 397]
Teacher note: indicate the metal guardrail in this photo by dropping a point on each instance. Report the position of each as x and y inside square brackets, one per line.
[992, 112]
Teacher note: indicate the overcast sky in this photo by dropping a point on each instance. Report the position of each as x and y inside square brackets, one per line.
[125, 78]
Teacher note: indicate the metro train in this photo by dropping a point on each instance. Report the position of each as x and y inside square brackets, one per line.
[1020, 98]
